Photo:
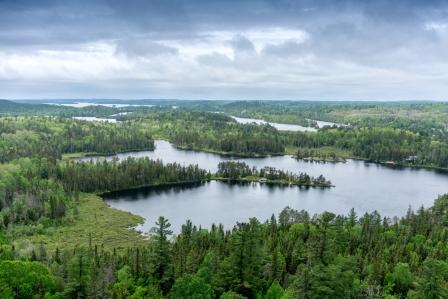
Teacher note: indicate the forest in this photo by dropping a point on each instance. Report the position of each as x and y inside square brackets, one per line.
[426, 118]
[378, 144]
[219, 133]
[405, 138]
[51, 137]
[58, 239]
[213, 132]
[293, 255]
[33, 190]
[120, 175]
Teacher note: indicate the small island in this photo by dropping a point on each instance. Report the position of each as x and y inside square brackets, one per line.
[241, 172]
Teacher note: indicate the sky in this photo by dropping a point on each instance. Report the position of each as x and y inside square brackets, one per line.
[208, 49]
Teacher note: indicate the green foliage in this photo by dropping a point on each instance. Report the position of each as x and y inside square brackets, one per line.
[434, 283]
[95, 224]
[51, 137]
[34, 189]
[234, 170]
[377, 144]
[275, 291]
[325, 256]
[91, 252]
[376, 140]
[400, 280]
[119, 175]
[149, 292]
[125, 285]
[219, 133]
[26, 194]
[191, 287]
[423, 118]
[212, 132]
[37, 108]
[161, 254]
[231, 295]
[21, 279]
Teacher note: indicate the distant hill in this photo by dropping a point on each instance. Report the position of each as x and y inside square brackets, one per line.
[8, 104]
[14, 108]
[11, 108]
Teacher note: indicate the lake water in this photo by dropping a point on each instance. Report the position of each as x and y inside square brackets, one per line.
[285, 127]
[363, 186]
[86, 104]
[278, 126]
[321, 124]
[93, 118]
[242, 120]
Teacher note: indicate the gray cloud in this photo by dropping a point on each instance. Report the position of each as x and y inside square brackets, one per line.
[286, 49]
[143, 48]
[360, 49]
[214, 59]
[242, 44]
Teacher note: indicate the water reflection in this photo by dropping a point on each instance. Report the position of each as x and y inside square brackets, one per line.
[363, 186]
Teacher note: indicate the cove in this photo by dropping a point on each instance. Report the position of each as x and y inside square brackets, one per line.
[364, 186]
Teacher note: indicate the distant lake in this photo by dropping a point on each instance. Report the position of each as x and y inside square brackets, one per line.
[361, 185]
[86, 104]
[278, 126]
[241, 120]
[285, 127]
[92, 118]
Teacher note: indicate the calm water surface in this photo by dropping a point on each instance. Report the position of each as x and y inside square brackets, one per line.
[86, 104]
[285, 127]
[278, 126]
[363, 186]
[93, 118]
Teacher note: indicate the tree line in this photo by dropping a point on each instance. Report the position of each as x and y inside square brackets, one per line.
[215, 132]
[219, 133]
[294, 255]
[51, 137]
[378, 144]
[31, 189]
[118, 175]
[27, 194]
[35, 189]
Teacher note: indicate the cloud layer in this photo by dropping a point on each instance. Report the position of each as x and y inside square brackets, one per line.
[328, 50]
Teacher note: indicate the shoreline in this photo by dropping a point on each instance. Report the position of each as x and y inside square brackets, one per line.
[167, 184]
[79, 155]
[261, 180]
[216, 179]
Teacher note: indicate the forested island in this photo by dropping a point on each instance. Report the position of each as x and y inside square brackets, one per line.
[59, 239]
[240, 171]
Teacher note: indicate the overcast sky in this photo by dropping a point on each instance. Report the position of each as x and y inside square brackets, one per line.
[303, 50]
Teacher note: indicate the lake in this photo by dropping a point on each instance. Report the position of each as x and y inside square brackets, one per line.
[86, 104]
[361, 185]
[241, 120]
[93, 118]
[285, 127]
[278, 126]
